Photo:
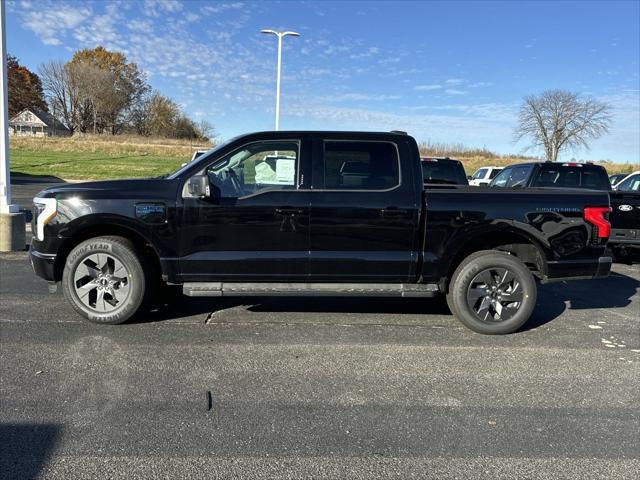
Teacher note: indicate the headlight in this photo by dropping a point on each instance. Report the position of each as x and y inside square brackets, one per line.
[45, 210]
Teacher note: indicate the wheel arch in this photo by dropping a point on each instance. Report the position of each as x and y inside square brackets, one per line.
[513, 241]
[140, 241]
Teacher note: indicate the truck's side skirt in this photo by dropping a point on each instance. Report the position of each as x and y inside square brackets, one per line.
[236, 289]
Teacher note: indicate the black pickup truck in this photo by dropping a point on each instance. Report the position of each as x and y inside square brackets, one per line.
[624, 240]
[314, 213]
[625, 219]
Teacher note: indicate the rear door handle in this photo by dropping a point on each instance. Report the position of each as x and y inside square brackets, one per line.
[393, 212]
[289, 211]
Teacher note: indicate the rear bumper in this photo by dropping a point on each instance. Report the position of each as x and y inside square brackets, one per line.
[624, 236]
[577, 269]
[43, 264]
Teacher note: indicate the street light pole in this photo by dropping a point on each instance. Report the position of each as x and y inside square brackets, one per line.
[5, 183]
[280, 35]
[12, 226]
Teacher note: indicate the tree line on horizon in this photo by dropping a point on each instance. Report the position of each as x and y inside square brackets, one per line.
[98, 91]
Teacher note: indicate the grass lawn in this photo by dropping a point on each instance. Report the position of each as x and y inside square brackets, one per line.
[91, 165]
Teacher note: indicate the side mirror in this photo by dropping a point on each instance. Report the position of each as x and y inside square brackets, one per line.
[469, 177]
[198, 186]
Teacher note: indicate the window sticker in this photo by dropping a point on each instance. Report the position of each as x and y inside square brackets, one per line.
[285, 171]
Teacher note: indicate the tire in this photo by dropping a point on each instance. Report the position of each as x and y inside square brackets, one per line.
[104, 280]
[492, 293]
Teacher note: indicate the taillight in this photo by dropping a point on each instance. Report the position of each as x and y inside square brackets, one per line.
[597, 216]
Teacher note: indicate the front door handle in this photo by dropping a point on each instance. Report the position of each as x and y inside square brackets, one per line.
[393, 212]
[289, 211]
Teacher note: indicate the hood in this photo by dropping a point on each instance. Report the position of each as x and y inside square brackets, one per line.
[139, 188]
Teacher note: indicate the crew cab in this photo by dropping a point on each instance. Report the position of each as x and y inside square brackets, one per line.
[345, 213]
[443, 171]
[483, 176]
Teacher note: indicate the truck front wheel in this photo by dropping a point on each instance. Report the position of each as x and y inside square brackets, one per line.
[492, 292]
[104, 280]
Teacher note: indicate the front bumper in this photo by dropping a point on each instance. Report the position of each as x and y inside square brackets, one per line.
[577, 269]
[43, 264]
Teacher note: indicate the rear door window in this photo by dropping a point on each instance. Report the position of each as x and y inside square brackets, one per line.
[353, 165]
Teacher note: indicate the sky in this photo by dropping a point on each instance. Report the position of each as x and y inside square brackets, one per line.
[447, 72]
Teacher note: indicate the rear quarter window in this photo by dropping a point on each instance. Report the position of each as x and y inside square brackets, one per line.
[444, 172]
[561, 176]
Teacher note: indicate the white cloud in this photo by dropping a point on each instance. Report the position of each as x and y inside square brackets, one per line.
[369, 52]
[453, 91]
[155, 8]
[50, 21]
[480, 84]
[360, 97]
[144, 26]
[427, 87]
[454, 81]
[482, 128]
[213, 9]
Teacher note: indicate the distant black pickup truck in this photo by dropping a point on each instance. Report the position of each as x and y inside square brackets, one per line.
[317, 214]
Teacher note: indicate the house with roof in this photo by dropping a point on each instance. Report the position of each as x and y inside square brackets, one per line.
[35, 123]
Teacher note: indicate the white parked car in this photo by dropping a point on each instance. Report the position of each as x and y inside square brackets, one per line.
[483, 176]
[630, 183]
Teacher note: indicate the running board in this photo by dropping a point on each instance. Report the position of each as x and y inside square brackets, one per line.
[236, 289]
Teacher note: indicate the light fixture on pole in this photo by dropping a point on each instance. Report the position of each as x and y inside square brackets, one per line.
[280, 35]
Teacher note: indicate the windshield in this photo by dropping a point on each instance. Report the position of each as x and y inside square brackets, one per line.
[631, 184]
[512, 177]
[480, 174]
[450, 173]
[201, 157]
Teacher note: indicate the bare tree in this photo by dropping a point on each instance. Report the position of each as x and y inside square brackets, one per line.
[97, 96]
[557, 120]
[61, 91]
[205, 130]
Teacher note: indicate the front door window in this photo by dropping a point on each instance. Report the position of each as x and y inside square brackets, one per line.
[255, 168]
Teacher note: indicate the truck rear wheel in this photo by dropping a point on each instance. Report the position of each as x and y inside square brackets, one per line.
[492, 292]
[104, 280]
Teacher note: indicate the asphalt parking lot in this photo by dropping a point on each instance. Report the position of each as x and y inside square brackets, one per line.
[319, 388]
[340, 388]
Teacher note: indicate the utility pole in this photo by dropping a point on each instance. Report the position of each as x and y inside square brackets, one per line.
[280, 35]
[12, 227]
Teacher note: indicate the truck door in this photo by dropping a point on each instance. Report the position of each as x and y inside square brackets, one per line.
[364, 212]
[254, 224]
